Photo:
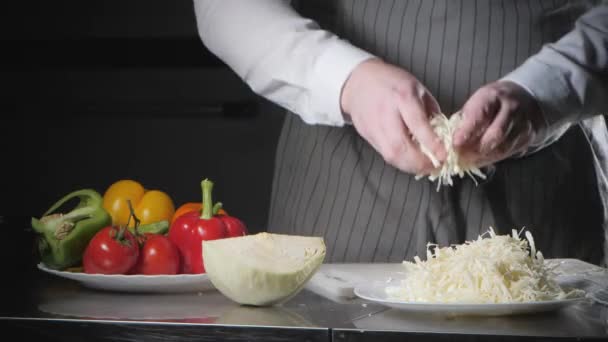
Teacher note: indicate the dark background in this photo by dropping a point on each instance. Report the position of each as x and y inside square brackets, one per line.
[103, 90]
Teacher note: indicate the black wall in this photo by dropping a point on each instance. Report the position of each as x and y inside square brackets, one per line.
[97, 91]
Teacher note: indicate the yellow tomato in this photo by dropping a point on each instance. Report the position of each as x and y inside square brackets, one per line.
[149, 205]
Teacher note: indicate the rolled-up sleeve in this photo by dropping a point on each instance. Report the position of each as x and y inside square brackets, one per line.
[569, 78]
[282, 56]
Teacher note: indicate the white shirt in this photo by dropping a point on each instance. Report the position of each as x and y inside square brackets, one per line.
[280, 55]
[289, 60]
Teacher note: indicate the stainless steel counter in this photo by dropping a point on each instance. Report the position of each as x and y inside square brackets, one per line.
[60, 309]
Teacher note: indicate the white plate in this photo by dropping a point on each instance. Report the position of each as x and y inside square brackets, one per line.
[376, 292]
[137, 282]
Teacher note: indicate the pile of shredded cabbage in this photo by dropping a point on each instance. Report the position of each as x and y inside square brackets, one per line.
[488, 270]
[453, 165]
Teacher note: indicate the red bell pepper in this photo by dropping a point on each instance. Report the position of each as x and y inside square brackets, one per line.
[190, 230]
[234, 226]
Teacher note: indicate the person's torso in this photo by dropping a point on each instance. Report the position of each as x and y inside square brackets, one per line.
[452, 46]
[329, 182]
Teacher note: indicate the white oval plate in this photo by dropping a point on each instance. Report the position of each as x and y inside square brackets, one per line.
[138, 283]
[376, 292]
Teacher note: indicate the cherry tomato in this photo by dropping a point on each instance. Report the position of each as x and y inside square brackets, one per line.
[150, 205]
[112, 250]
[234, 226]
[158, 255]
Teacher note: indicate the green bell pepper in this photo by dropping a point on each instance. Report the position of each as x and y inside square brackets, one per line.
[160, 227]
[63, 237]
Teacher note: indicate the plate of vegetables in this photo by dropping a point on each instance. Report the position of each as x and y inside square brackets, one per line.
[92, 245]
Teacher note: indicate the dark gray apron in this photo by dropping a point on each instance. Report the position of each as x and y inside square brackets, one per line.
[329, 182]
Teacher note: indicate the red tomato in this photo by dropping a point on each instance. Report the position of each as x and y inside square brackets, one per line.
[188, 233]
[158, 255]
[234, 226]
[110, 253]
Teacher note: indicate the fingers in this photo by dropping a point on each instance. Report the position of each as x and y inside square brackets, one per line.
[388, 135]
[390, 109]
[477, 114]
[497, 130]
[399, 150]
[499, 121]
[524, 135]
[516, 141]
[430, 103]
[415, 113]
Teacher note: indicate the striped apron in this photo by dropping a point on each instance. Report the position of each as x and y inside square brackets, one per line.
[329, 182]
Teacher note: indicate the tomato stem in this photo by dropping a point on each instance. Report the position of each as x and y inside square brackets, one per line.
[132, 214]
[207, 187]
[121, 233]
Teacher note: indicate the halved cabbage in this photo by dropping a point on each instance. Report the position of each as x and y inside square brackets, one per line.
[262, 269]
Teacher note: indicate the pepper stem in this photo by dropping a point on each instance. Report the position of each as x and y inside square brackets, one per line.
[216, 208]
[207, 187]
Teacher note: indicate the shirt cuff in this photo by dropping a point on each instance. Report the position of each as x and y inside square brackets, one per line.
[548, 86]
[331, 70]
[551, 94]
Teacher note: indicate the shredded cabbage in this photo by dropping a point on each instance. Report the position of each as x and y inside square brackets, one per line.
[488, 270]
[453, 165]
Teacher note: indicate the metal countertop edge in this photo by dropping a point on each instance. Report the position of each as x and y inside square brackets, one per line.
[318, 329]
[453, 333]
[107, 321]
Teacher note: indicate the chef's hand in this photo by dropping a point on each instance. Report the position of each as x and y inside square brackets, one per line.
[389, 107]
[500, 120]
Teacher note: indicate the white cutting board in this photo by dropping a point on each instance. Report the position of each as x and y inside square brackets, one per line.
[338, 281]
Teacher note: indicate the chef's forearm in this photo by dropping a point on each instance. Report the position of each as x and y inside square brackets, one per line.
[282, 56]
[569, 78]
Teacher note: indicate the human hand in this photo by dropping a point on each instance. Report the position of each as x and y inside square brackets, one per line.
[500, 120]
[390, 108]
